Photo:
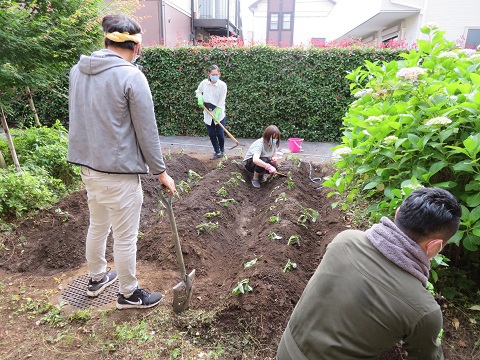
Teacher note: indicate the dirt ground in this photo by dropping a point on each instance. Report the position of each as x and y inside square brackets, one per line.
[54, 242]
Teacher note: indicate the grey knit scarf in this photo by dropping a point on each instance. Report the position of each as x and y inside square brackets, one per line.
[399, 249]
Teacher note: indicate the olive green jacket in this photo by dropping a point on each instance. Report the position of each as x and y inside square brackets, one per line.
[358, 305]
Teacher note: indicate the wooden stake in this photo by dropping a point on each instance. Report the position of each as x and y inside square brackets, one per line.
[10, 142]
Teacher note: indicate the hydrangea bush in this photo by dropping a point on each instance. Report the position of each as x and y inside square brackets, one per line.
[415, 122]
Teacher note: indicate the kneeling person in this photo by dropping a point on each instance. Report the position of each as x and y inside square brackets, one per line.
[262, 155]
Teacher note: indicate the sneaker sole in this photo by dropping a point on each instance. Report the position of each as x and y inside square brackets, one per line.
[131, 306]
[99, 291]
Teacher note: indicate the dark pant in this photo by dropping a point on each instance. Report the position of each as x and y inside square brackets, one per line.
[252, 167]
[216, 134]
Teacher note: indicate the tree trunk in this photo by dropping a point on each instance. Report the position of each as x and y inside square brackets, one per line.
[10, 142]
[32, 106]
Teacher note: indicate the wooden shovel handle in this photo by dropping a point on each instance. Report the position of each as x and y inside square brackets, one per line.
[219, 123]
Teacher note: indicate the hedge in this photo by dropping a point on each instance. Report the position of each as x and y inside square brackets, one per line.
[302, 91]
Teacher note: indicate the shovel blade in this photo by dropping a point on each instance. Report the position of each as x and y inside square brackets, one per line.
[182, 293]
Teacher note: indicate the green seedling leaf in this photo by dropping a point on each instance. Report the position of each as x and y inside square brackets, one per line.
[250, 263]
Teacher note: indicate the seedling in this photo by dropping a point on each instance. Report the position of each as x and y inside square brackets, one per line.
[281, 197]
[294, 239]
[62, 213]
[232, 182]
[273, 236]
[275, 188]
[289, 266]
[275, 218]
[222, 191]
[220, 165]
[211, 214]
[226, 202]
[290, 184]
[250, 263]
[238, 175]
[168, 156]
[308, 214]
[270, 208]
[193, 176]
[295, 160]
[206, 227]
[182, 151]
[242, 287]
[183, 186]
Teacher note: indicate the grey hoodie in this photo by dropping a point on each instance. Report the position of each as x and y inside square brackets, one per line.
[112, 124]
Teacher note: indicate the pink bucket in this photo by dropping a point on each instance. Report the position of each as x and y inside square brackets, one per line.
[295, 144]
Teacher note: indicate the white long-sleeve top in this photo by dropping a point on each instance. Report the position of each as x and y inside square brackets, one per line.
[215, 94]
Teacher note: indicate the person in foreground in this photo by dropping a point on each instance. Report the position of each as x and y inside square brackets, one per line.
[212, 93]
[262, 155]
[369, 291]
[113, 136]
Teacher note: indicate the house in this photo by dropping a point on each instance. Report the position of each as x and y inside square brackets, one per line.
[301, 22]
[290, 22]
[383, 20]
[187, 22]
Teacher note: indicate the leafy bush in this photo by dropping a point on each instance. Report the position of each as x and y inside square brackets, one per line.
[22, 192]
[414, 123]
[46, 148]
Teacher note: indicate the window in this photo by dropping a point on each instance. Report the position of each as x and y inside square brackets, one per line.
[473, 39]
[286, 21]
[390, 41]
[273, 21]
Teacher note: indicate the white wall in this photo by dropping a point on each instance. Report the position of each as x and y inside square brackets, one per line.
[453, 16]
[184, 6]
[310, 20]
[348, 14]
[260, 23]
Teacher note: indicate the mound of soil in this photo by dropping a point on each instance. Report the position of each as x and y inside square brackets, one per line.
[243, 223]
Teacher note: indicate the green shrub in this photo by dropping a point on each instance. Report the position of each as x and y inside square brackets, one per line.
[46, 148]
[414, 123]
[23, 192]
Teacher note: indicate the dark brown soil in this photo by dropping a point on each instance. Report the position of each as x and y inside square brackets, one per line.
[54, 242]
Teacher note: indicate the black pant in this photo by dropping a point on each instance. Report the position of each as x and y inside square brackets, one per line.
[252, 167]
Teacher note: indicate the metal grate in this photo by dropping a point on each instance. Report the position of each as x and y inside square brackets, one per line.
[76, 294]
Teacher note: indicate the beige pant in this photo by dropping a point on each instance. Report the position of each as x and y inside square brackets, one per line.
[115, 201]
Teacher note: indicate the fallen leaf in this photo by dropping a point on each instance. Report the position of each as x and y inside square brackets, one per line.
[475, 307]
[472, 321]
[455, 323]
[462, 343]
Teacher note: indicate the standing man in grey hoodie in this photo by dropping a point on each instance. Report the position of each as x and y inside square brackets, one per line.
[113, 136]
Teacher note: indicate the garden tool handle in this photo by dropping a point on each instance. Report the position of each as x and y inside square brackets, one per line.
[167, 201]
[219, 123]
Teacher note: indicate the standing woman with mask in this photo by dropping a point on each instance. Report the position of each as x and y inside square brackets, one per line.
[212, 93]
[262, 155]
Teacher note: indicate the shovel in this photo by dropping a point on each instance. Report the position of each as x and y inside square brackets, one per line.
[223, 127]
[182, 292]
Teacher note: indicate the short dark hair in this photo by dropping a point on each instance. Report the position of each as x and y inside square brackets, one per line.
[213, 67]
[269, 131]
[120, 23]
[429, 212]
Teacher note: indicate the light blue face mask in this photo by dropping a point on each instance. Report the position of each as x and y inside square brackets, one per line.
[273, 142]
[214, 78]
